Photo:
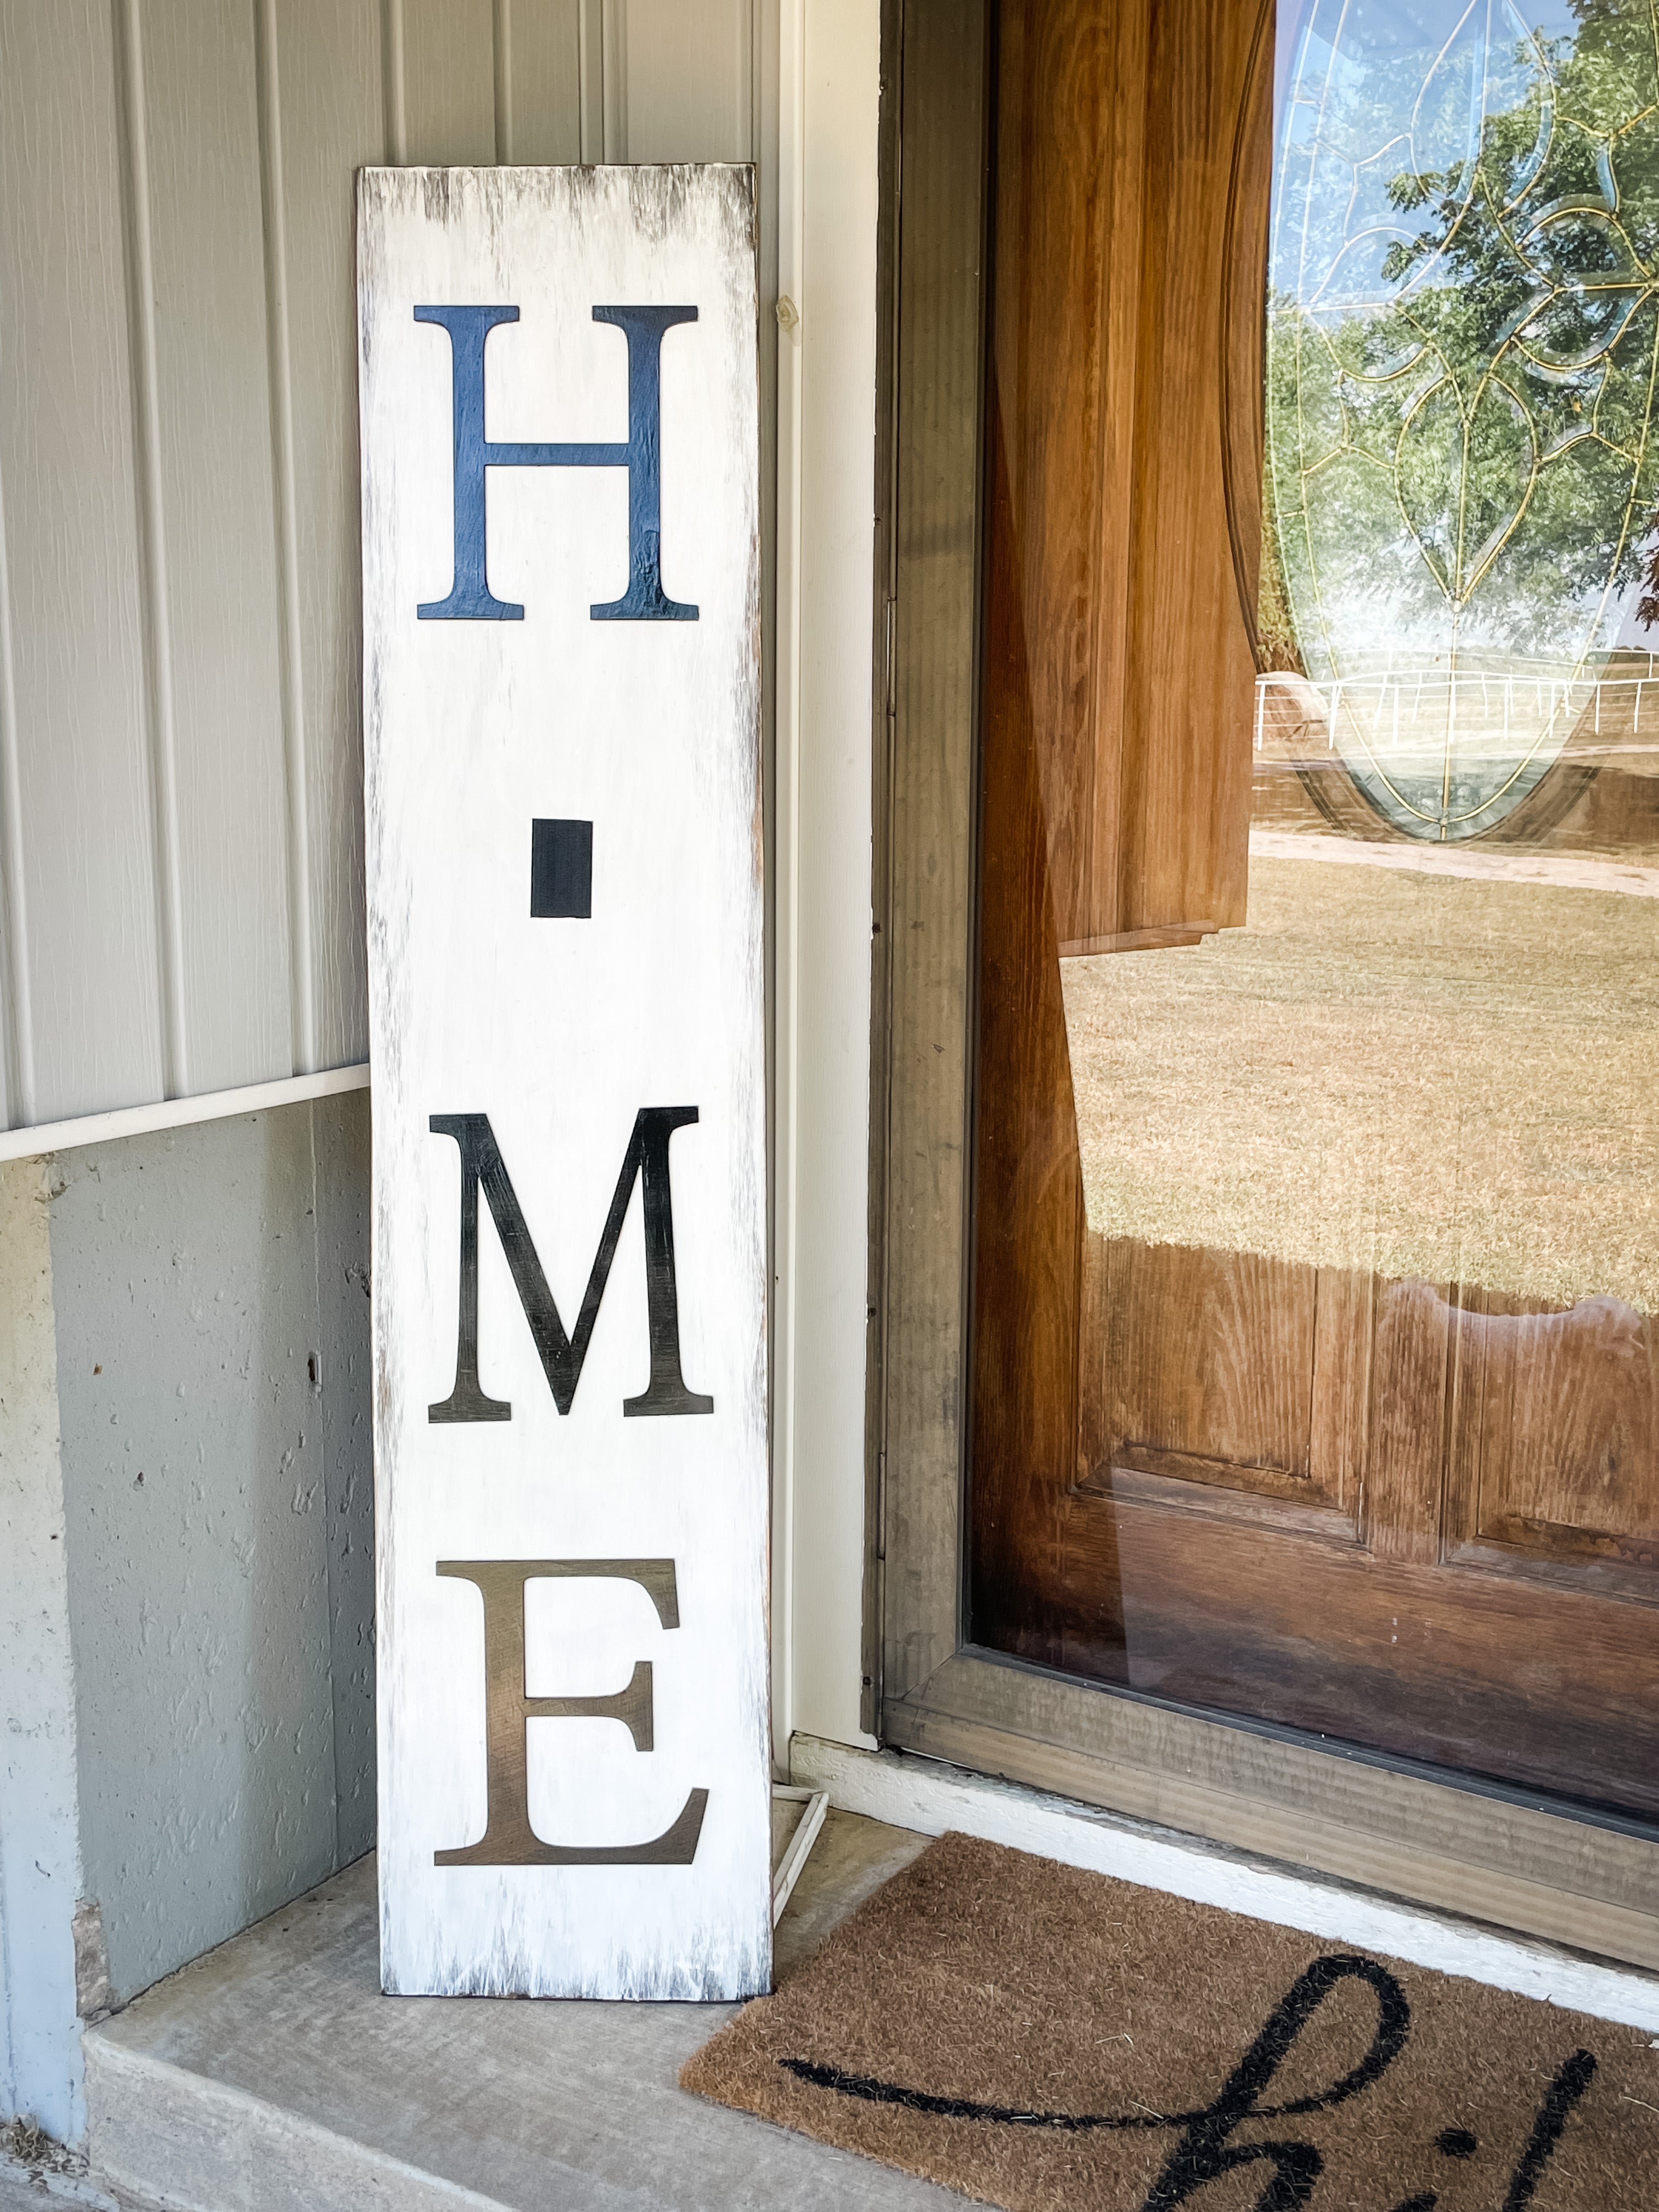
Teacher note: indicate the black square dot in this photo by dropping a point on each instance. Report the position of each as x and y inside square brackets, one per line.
[561, 871]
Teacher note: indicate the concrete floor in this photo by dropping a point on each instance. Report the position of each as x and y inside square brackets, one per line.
[272, 2076]
[59, 2185]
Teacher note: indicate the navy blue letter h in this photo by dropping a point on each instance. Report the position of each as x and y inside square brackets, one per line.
[470, 598]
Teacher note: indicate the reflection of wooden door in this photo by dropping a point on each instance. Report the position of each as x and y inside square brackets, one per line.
[1114, 636]
[1372, 1510]
[1399, 1513]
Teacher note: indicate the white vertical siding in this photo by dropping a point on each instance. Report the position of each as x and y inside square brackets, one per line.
[689, 88]
[448, 86]
[538, 81]
[83, 960]
[327, 78]
[181, 898]
[201, 357]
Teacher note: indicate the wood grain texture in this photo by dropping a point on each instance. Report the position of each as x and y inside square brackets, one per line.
[1339, 1412]
[1212, 1354]
[1405, 1465]
[1243, 319]
[1185, 1482]
[1463, 1668]
[1394, 1510]
[1102, 628]
[1189, 1769]
[1055, 67]
[1370, 1509]
[1188, 677]
[1553, 1469]
[1242, 1373]
[561, 1030]
[1028, 1220]
[1123, 307]
[927, 796]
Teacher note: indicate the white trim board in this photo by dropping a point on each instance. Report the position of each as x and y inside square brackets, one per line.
[177, 1113]
[829, 101]
[929, 1798]
[815, 1804]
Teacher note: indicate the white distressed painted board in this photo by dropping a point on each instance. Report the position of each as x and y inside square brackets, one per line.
[561, 729]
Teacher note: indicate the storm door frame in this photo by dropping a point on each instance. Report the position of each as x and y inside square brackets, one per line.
[1491, 1853]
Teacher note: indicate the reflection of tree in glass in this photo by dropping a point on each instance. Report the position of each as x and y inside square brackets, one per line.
[1462, 462]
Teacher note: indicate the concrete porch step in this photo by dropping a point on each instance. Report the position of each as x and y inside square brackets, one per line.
[272, 2076]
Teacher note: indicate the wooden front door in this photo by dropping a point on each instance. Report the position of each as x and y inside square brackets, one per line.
[1317, 1170]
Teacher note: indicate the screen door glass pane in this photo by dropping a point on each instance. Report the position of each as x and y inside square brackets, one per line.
[1319, 1231]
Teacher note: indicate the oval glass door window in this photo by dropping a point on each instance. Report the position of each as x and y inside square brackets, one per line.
[1463, 363]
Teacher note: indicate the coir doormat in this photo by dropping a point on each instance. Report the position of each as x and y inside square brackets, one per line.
[1046, 2039]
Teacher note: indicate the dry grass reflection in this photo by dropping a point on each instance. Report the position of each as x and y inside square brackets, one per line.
[1411, 1073]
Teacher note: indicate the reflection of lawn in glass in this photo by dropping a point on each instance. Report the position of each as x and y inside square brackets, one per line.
[1417, 1075]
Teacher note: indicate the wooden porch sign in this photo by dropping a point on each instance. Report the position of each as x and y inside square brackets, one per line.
[560, 595]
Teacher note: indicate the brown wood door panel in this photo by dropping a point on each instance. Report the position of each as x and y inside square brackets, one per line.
[1065, 191]
[1227, 1368]
[1028, 1217]
[1186, 715]
[1120, 326]
[1552, 1465]
[1399, 1513]
[1226, 1584]
[1345, 1332]
[1460, 1667]
[1189, 1485]
[1013, 1432]
[1406, 1452]
[1106, 499]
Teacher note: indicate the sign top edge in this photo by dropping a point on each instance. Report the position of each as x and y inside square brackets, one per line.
[482, 169]
[445, 190]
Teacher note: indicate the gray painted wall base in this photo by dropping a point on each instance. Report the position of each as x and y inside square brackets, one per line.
[186, 1581]
[39, 1848]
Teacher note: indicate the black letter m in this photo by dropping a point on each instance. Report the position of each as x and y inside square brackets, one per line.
[561, 1356]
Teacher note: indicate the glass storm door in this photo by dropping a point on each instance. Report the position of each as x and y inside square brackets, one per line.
[1316, 1141]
